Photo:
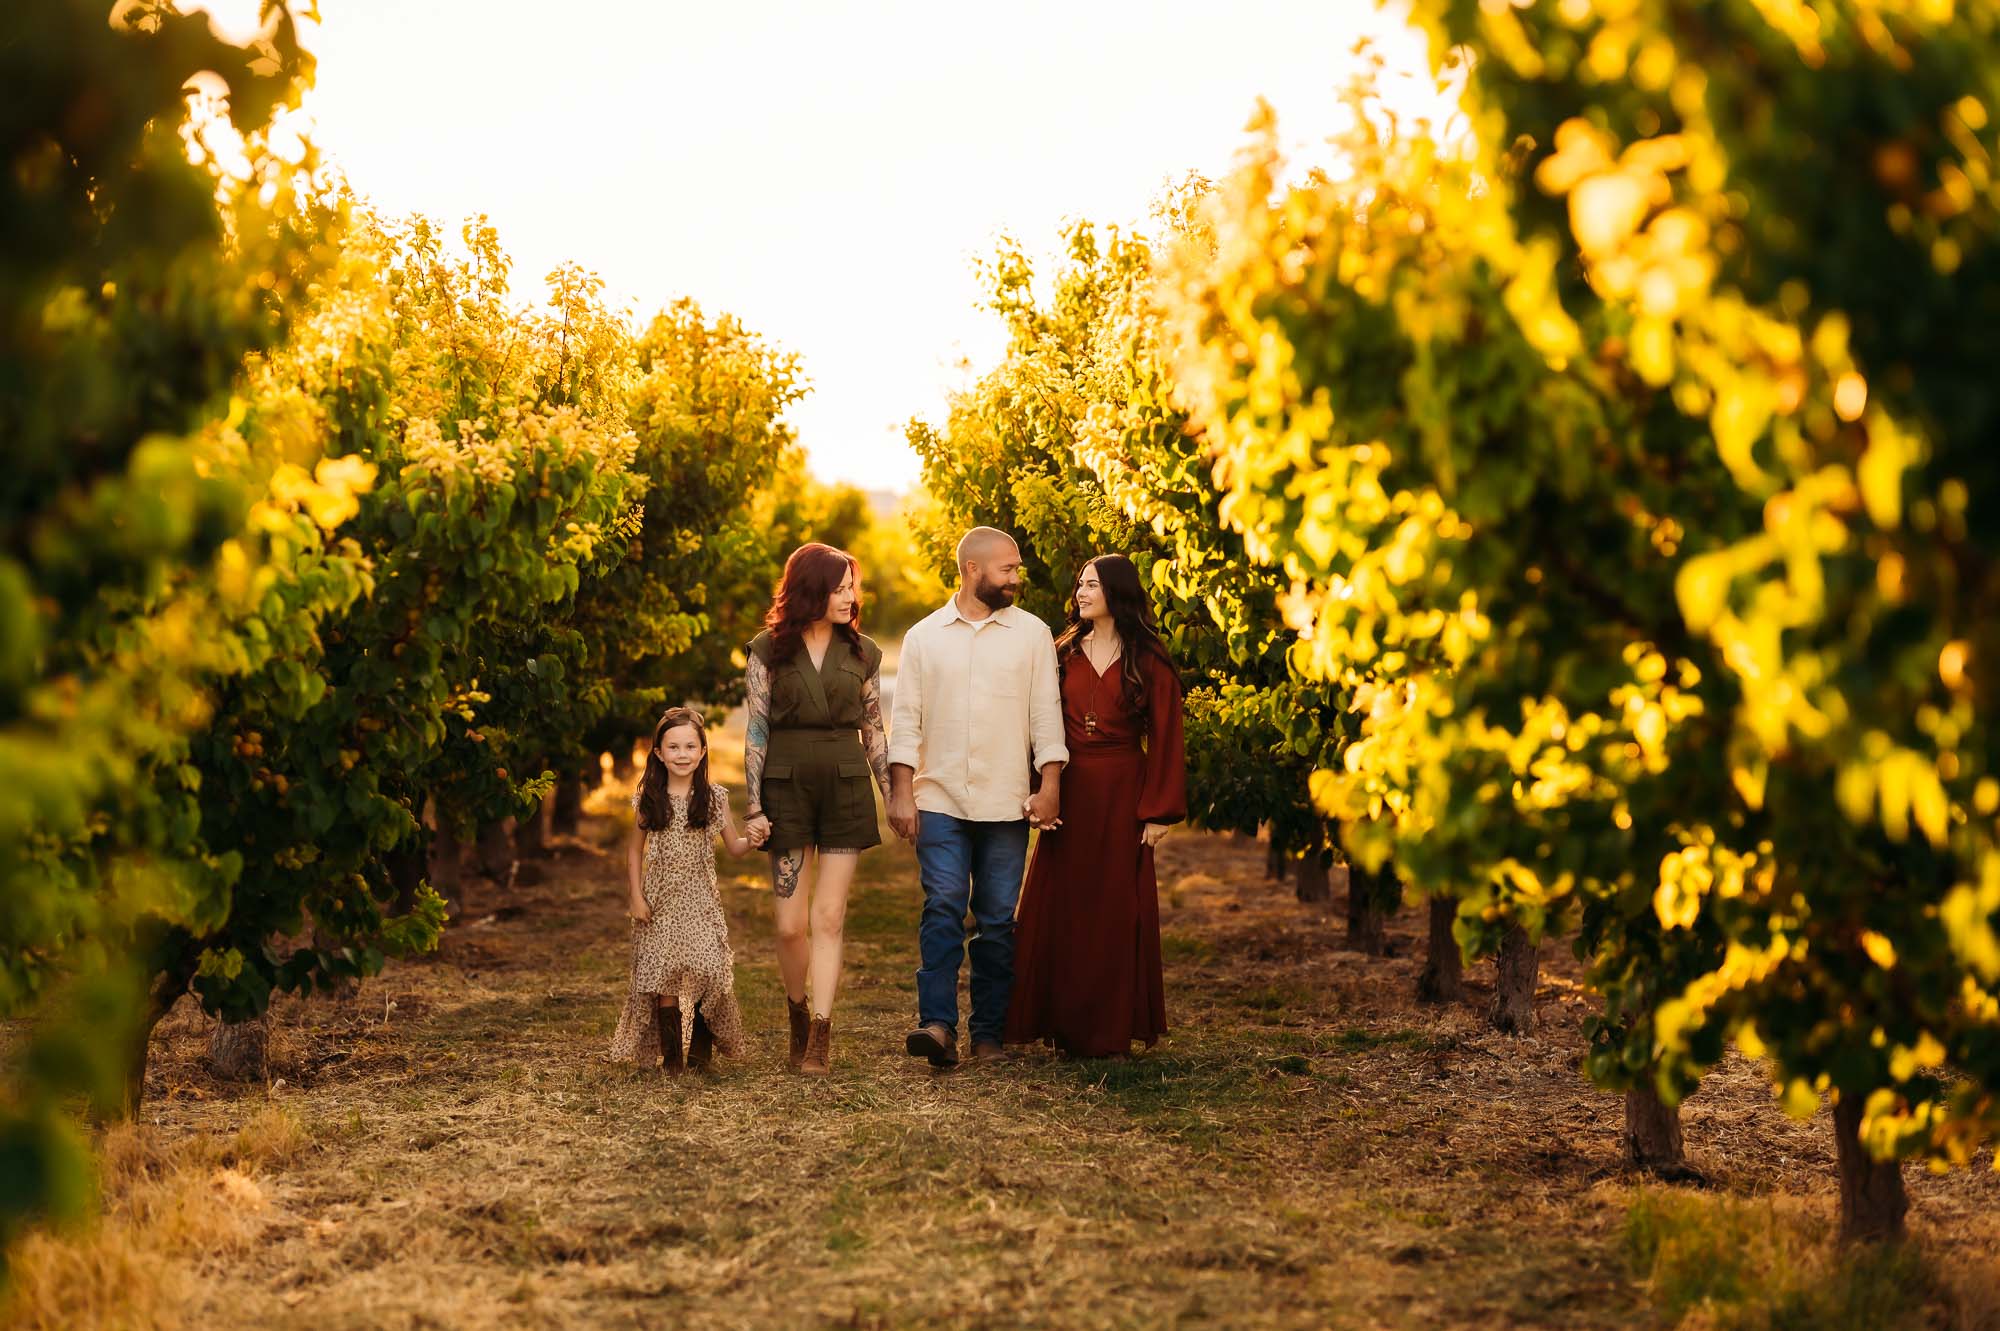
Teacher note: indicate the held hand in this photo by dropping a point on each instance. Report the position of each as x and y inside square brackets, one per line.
[903, 816]
[757, 829]
[1043, 808]
[1152, 834]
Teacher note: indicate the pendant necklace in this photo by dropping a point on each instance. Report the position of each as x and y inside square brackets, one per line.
[1090, 711]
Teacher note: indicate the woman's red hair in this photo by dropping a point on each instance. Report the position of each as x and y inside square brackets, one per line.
[812, 575]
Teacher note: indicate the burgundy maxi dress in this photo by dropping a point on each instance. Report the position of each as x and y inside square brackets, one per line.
[1087, 940]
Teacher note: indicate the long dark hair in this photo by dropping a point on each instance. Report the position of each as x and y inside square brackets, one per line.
[812, 575]
[1131, 614]
[656, 811]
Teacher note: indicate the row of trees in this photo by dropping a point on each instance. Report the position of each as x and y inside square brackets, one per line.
[1048, 445]
[315, 549]
[1592, 504]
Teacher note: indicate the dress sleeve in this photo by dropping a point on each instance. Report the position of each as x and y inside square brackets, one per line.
[1163, 795]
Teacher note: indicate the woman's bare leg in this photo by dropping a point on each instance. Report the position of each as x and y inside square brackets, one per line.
[829, 924]
[789, 898]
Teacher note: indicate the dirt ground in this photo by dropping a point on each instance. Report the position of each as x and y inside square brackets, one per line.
[448, 1147]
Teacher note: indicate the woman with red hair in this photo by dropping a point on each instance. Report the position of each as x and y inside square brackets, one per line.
[814, 692]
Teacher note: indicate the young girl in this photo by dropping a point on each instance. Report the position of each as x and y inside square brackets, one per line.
[680, 942]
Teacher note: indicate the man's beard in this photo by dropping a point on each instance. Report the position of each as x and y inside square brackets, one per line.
[994, 597]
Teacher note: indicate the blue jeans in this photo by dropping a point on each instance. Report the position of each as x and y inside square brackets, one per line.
[964, 863]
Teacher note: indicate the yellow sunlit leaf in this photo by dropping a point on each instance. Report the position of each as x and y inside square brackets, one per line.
[1605, 209]
[1879, 949]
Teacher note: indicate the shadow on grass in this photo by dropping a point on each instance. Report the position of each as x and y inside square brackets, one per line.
[1201, 1099]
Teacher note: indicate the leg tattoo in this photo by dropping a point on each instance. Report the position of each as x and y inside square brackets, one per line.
[785, 869]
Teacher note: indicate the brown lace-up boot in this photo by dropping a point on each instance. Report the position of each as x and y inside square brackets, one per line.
[670, 1041]
[819, 1048]
[701, 1049]
[801, 1028]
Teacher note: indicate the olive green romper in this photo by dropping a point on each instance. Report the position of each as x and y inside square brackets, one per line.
[817, 788]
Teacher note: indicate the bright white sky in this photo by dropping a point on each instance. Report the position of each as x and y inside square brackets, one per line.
[825, 171]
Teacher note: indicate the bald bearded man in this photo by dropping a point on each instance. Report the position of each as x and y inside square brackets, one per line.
[977, 711]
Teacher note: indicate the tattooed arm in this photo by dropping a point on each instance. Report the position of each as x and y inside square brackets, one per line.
[757, 739]
[874, 738]
[756, 745]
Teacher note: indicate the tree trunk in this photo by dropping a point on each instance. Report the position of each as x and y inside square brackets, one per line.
[1365, 916]
[161, 995]
[344, 987]
[407, 866]
[1516, 970]
[494, 852]
[623, 768]
[1276, 863]
[567, 814]
[240, 1050]
[1442, 979]
[1653, 1136]
[1312, 881]
[447, 873]
[1872, 1199]
[531, 834]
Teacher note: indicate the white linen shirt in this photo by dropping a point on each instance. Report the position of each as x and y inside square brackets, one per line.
[977, 707]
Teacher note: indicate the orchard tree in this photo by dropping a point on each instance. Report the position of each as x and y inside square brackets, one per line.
[714, 451]
[1800, 244]
[1633, 508]
[1073, 445]
[132, 283]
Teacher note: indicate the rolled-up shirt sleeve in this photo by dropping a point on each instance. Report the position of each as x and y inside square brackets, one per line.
[1045, 721]
[906, 711]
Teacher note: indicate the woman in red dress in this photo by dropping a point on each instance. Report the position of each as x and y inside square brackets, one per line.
[1087, 961]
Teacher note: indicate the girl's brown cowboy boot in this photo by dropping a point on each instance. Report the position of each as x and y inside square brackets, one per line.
[701, 1049]
[670, 1041]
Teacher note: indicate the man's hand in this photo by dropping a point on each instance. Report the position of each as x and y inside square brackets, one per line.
[757, 829]
[903, 801]
[903, 814]
[1044, 807]
[1152, 834]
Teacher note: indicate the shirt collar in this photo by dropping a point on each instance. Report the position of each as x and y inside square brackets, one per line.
[1003, 616]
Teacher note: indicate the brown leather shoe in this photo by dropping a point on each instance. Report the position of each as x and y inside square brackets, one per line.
[988, 1051]
[801, 1027]
[670, 1040]
[701, 1049]
[818, 1060]
[933, 1040]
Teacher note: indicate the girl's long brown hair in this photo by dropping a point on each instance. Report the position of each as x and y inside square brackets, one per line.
[656, 810]
[1131, 614]
[812, 575]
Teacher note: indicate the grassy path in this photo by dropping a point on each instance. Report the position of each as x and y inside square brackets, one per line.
[448, 1149]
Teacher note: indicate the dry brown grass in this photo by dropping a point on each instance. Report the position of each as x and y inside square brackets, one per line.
[1308, 1148]
[181, 1204]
